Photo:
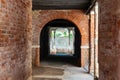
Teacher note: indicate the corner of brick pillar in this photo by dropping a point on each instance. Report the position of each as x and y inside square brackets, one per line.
[37, 62]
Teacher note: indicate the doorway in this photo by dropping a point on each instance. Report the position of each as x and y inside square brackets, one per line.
[60, 40]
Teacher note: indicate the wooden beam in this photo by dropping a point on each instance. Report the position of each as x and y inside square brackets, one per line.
[61, 4]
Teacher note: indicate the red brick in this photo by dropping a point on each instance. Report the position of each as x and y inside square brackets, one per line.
[42, 17]
[15, 61]
[109, 35]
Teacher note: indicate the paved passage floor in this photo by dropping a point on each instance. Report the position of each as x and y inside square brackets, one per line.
[59, 71]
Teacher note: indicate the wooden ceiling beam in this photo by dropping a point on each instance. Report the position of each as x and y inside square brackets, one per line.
[61, 4]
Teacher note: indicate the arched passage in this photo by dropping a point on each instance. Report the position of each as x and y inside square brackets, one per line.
[45, 47]
[42, 17]
[77, 17]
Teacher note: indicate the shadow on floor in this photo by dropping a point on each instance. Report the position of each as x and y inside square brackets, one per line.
[47, 71]
[46, 79]
[53, 70]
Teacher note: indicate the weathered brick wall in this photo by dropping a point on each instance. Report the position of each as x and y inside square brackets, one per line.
[109, 39]
[15, 27]
[42, 17]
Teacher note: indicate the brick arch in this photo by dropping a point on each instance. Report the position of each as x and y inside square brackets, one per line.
[72, 21]
[42, 17]
[44, 40]
[76, 19]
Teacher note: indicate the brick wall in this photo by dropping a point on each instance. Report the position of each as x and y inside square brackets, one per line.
[42, 17]
[15, 25]
[109, 39]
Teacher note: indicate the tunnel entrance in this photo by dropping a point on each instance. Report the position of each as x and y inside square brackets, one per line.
[60, 40]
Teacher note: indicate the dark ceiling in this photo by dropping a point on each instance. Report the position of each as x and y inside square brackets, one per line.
[61, 4]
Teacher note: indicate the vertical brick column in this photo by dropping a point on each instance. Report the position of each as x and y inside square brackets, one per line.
[92, 42]
[38, 57]
[109, 39]
[15, 39]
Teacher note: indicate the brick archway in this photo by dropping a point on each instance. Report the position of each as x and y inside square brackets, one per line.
[42, 17]
[45, 39]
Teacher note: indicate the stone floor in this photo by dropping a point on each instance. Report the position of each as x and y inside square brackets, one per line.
[60, 71]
